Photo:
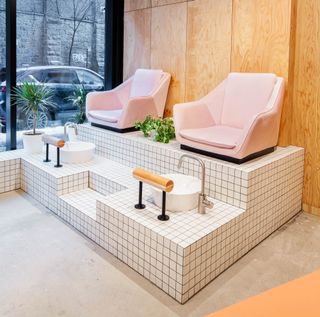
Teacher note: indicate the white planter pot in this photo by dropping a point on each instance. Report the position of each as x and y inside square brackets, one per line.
[32, 143]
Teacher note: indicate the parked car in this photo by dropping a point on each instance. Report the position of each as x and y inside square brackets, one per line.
[62, 80]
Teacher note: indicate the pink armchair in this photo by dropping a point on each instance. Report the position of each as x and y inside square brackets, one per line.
[118, 109]
[238, 121]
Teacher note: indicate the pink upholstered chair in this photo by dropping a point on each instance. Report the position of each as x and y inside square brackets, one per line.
[118, 109]
[238, 121]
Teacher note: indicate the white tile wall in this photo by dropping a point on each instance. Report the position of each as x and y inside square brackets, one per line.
[9, 175]
[225, 181]
[181, 255]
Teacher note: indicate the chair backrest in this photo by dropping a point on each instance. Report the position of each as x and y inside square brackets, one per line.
[246, 94]
[145, 81]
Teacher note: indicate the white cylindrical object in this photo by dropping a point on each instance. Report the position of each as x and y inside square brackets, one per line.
[32, 143]
[77, 152]
[184, 195]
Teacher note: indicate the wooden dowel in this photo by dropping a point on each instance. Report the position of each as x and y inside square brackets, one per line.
[154, 180]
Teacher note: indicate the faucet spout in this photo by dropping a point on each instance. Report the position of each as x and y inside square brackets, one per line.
[203, 202]
[72, 125]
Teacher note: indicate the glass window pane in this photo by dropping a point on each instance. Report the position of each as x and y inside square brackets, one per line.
[88, 78]
[2, 76]
[61, 76]
[60, 44]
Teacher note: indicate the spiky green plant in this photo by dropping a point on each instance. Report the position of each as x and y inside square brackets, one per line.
[78, 98]
[33, 98]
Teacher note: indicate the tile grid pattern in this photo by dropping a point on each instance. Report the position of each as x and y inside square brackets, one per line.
[183, 263]
[224, 181]
[9, 175]
[268, 192]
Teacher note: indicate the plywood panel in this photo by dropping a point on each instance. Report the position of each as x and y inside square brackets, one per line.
[137, 28]
[156, 3]
[261, 42]
[261, 35]
[168, 47]
[209, 45]
[306, 98]
[130, 5]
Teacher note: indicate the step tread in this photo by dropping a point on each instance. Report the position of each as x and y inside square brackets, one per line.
[84, 200]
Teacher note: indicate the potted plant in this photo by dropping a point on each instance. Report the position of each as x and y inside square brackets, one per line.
[33, 99]
[161, 130]
[78, 99]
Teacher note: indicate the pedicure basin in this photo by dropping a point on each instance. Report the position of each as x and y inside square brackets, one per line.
[77, 152]
[183, 197]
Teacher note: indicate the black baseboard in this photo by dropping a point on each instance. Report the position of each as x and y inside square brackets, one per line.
[126, 130]
[228, 158]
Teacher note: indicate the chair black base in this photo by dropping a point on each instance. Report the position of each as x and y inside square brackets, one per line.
[228, 158]
[126, 130]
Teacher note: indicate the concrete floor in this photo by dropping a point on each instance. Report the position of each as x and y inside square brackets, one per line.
[48, 269]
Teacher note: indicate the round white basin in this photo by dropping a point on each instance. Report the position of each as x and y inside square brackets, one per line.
[184, 195]
[77, 152]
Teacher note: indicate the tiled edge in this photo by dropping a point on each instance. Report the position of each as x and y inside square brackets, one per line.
[72, 183]
[153, 256]
[276, 191]
[10, 175]
[103, 185]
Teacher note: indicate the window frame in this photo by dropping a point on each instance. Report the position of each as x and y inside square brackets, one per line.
[113, 64]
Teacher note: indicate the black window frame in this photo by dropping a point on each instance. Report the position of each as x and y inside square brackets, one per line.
[113, 64]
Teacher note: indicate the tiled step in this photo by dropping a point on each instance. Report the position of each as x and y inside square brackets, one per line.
[84, 201]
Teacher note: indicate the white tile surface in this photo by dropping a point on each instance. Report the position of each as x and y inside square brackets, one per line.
[185, 253]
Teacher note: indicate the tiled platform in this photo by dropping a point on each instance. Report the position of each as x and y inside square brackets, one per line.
[184, 254]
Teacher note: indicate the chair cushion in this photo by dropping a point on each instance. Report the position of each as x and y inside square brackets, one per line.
[109, 116]
[145, 81]
[219, 136]
[246, 94]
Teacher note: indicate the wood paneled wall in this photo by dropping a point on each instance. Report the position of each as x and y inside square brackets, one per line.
[261, 36]
[305, 96]
[190, 39]
[200, 41]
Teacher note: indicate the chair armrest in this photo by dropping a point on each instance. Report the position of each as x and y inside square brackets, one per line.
[113, 99]
[192, 115]
[160, 94]
[137, 109]
[262, 130]
[103, 100]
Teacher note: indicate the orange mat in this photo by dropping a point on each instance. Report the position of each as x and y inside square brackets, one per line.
[298, 298]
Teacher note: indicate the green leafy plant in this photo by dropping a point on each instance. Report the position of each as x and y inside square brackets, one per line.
[145, 126]
[32, 99]
[78, 99]
[161, 129]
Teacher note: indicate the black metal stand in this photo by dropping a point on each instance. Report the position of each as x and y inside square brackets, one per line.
[163, 216]
[47, 154]
[58, 158]
[140, 205]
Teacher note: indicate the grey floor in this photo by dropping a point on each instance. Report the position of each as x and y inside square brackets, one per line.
[48, 269]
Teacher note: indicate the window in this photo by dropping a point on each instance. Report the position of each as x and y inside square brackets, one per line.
[3, 88]
[63, 77]
[88, 78]
[59, 45]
